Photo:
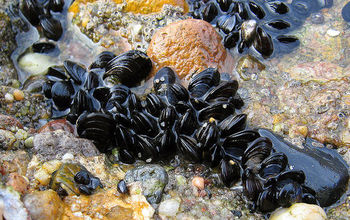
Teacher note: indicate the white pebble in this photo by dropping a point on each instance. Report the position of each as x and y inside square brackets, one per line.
[9, 97]
[332, 32]
[67, 157]
[299, 211]
[169, 207]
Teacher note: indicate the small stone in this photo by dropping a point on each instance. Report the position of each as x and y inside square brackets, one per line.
[7, 140]
[153, 179]
[44, 205]
[7, 122]
[333, 32]
[13, 207]
[18, 182]
[28, 143]
[59, 124]
[67, 157]
[317, 18]
[299, 211]
[18, 94]
[9, 98]
[21, 134]
[198, 182]
[169, 207]
[43, 177]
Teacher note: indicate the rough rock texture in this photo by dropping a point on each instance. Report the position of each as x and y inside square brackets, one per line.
[13, 207]
[55, 144]
[44, 205]
[153, 179]
[188, 46]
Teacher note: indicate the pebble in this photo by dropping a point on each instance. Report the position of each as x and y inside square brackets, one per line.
[28, 143]
[21, 134]
[59, 124]
[18, 94]
[299, 211]
[169, 207]
[9, 123]
[13, 206]
[333, 32]
[153, 179]
[317, 18]
[198, 182]
[44, 205]
[18, 182]
[9, 98]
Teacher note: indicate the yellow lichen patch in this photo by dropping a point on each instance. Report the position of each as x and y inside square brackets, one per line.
[152, 6]
[187, 46]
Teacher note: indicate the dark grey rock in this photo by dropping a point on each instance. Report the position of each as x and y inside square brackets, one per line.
[153, 179]
[54, 145]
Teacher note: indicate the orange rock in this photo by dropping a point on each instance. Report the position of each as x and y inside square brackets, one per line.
[188, 46]
[137, 6]
[18, 182]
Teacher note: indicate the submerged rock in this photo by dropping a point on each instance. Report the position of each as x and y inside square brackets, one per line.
[325, 170]
[11, 206]
[153, 179]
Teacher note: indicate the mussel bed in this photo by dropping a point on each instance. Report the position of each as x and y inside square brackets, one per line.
[199, 122]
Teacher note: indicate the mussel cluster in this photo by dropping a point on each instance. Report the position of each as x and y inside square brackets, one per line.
[259, 24]
[39, 14]
[198, 122]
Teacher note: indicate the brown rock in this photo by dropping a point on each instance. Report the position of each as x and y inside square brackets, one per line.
[188, 46]
[18, 182]
[6, 122]
[59, 124]
[44, 205]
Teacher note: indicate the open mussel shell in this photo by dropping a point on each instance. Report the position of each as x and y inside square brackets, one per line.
[230, 171]
[102, 59]
[163, 78]
[99, 128]
[235, 144]
[129, 68]
[200, 83]
[226, 23]
[52, 28]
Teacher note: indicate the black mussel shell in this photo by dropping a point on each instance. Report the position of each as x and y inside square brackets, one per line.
[267, 202]
[167, 117]
[218, 111]
[46, 89]
[224, 4]
[215, 155]
[99, 128]
[263, 43]
[93, 80]
[287, 43]
[122, 188]
[223, 90]
[82, 177]
[82, 101]
[134, 102]
[62, 94]
[176, 93]
[119, 93]
[230, 172]
[56, 5]
[164, 77]
[201, 82]
[102, 94]
[154, 104]
[207, 135]
[242, 11]
[187, 123]
[277, 25]
[345, 12]
[56, 73]
[290, 193]
[233, 124]
[198, 103]
[166, 143]
[231, 40]
[102, 59]
[256, 152]
[273, 165]
[252, 185]
[256, 10]
[126, 156]
[123, 138]
[31, 11]
[144, 124]
[145, 148]
[227, 23]
[77, 72]
[44, 47]
[130, 68]
[278, 7]
[189, 148]
[122, 119]
[52, 28]
[210, 12]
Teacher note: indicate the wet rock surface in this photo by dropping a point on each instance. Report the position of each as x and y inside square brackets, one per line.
[55, 144]
[153, 179]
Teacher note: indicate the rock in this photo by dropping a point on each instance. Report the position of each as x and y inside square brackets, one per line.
[54, 125]
[13, 206]
[55, 144]
[7, 140]
[299, 211]
[153, 179]
[169, 207]
[188, 46]
[43, 174]
[198, 182]
[9, 122]
[18, 182]
[44, 205]
[18, 95]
